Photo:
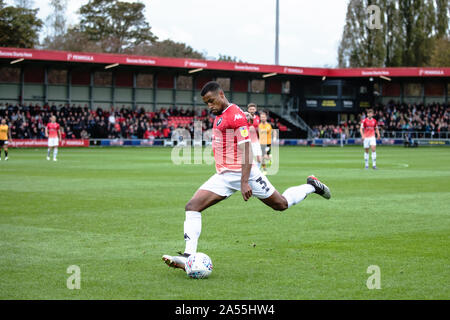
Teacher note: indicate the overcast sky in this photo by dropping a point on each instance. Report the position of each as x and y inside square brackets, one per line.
[309, 30]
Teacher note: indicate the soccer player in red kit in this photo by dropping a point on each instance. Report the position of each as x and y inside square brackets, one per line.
[253, 123]
[235, 172]
[53, 132]
[369, 127]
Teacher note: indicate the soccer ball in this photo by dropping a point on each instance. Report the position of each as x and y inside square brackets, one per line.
[198, 266]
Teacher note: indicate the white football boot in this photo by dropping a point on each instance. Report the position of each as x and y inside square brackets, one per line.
[178, 261]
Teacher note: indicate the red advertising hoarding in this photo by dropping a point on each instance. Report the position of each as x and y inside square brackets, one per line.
[187, 63]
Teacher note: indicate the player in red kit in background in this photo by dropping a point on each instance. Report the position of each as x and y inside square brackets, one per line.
[253, 123]
[368, 128]
[53, 133]
[234, 172]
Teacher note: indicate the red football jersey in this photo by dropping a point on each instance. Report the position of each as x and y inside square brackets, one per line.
[53, 129]
[369, 126]
[253, 128]
[230, 129]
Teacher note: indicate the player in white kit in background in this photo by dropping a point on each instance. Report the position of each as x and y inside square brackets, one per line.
[234, 172]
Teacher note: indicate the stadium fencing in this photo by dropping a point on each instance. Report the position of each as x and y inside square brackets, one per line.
[281, 142]
[388, 139]
[416, 134]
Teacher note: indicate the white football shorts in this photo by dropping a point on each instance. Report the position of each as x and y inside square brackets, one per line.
[256, 149]
[228, 182]
[53, 142]
[369, 142]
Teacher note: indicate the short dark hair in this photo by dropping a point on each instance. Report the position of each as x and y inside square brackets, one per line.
[211, 86]
[369, 110]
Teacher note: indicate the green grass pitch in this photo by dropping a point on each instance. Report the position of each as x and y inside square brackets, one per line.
[115, 211]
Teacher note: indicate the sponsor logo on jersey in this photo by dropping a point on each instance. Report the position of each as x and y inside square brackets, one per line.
[244, 132]
[219, 121]
[238, 116]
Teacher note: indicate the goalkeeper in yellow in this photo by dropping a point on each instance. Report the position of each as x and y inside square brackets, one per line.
[4, 135]
[265, 140]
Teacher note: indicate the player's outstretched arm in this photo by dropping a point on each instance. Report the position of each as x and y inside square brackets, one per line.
[247, 158]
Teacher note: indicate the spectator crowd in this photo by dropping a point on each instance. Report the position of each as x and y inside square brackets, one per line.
[427, 120]
[77, 122]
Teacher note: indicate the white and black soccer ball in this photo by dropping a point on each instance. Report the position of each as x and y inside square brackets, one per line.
[198, 266]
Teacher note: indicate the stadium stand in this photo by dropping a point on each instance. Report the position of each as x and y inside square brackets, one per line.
[430, 120]
[158, 95]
